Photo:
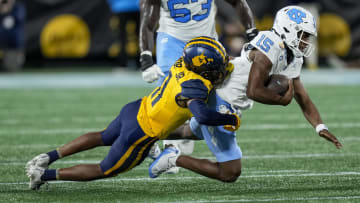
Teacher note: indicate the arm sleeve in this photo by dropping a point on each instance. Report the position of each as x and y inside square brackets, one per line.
[194, 89]
[206, 116]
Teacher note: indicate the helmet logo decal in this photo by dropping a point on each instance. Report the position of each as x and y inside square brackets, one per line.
[201, 60]
[296, 15]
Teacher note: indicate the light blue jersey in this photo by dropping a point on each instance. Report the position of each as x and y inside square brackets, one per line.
[221, 142]
[179, 22]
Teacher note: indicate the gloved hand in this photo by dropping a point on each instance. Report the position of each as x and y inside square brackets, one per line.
[232, 127]
[150, 71]
[251, 33]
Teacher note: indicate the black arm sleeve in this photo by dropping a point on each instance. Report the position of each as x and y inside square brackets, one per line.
[206, 116]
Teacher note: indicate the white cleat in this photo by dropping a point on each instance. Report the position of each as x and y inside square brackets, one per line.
[173, 170]
[41, 160]
[165, 161]
[35, 173]
[154, 152]
[186, 146]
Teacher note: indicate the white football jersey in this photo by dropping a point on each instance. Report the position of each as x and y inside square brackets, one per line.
[185, 21]
[234, 88]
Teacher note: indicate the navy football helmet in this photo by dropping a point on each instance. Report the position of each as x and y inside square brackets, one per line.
[206, 57]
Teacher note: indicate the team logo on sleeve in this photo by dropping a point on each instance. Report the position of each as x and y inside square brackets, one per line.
[201, 60]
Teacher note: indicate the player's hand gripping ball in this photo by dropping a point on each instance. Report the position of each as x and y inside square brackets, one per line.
[278, 83]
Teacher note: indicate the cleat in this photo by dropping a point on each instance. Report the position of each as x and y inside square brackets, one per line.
[165, 161]
[173, 170]
[41, 160]
[35, 173]
[186, 146]
[154, 152]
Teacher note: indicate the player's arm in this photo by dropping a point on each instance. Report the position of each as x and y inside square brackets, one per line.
[149, 18]
[311, 113]
[193, 95]
[206, 116]
[259, 74]
[246, 17]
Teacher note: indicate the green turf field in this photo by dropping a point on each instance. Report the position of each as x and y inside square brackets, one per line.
[284, 160]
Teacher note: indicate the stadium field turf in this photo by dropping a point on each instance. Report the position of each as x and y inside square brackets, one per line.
[284, 159]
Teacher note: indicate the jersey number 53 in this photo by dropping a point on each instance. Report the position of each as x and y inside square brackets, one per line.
[183, 15]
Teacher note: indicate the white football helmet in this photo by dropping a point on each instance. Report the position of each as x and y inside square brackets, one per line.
[291, 23]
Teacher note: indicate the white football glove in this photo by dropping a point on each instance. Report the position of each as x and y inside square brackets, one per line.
[152, 73]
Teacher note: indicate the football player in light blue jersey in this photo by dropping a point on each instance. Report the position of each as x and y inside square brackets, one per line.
[278, 51]
[179, 21]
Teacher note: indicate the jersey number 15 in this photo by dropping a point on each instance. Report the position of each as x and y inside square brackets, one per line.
[265, 43]
[183, 15]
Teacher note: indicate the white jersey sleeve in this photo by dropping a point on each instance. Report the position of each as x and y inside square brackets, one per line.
[185, 21]
[269, 44]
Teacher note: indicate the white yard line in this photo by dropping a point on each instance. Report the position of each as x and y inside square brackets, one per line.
[275, 156]
[273, 200]
[348, 173]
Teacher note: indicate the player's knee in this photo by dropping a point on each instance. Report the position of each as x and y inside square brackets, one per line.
[230, 173]
[230, 176]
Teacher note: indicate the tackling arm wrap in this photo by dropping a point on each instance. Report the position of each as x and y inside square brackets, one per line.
[206, 116]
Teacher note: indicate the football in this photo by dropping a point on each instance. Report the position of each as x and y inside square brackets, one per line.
[278, 83]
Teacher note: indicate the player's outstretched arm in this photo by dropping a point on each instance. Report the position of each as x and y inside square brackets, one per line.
[259, 74]
[149, 18]
[312, 114]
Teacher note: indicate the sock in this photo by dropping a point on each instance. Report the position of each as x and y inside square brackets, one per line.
[49, 174]
[54, 155]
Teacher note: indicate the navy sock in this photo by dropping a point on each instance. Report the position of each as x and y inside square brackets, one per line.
[54, 155]
[49, 174]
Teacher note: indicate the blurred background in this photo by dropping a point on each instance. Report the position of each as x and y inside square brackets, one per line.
[67, 34]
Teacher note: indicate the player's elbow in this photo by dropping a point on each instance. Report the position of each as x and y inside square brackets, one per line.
[251, 93]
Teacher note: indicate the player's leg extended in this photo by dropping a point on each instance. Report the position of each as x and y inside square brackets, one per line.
[108, 137]
[82, 143]
[126, 152]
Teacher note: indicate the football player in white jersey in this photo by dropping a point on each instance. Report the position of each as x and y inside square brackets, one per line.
[278, 51]
[179, 21]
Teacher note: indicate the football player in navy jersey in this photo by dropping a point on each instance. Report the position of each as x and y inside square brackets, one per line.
[131, 134]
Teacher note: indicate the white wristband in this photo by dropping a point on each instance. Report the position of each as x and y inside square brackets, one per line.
[321, 127]
[147, 52]
[250, 30]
